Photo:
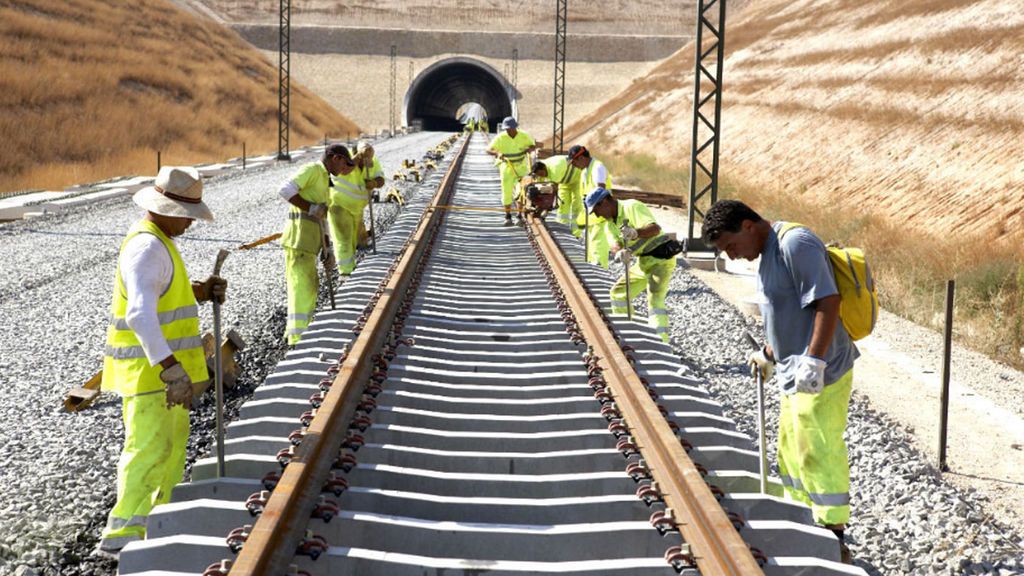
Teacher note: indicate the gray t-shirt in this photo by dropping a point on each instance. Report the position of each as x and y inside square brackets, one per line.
[792, 275]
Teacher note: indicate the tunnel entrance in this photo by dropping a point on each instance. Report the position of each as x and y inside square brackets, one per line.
[441, 91]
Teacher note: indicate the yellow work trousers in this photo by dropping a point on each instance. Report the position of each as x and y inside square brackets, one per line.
[345, 237]
[570, 207]
[654, 275]
[510, 175]
[813, 461]
[303, 284]
[151, 463]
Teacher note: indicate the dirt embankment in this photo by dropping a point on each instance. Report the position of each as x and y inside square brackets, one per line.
[912, 111]
[92, 89]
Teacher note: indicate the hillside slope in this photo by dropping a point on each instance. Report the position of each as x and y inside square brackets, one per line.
[92, 89]
[912, 111]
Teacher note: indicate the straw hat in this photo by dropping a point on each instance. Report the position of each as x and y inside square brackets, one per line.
[177, 192]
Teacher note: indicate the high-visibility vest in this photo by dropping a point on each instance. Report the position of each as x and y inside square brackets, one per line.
[302, 231]
[126, 369]
[561, 171]
[348, 191]
[587, 185]
[513, 148]
[637, 215]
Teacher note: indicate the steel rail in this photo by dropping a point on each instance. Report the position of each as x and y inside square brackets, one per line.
[271, 545]
[714, 542]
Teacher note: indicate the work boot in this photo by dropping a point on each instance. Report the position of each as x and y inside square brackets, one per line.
[508, 220]
[520, 222]
[845, 555]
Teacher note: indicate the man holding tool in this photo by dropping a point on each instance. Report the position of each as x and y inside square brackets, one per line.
[372, 173]
[634, 236]
[559, 170]
[304, 234]
[348, 199]
[512, 150]
[809, 351]
[154, 354]
[593, 175]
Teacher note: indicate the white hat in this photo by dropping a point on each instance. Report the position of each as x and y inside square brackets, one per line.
[177, 192]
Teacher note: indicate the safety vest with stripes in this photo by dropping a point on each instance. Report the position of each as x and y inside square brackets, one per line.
[302, 231]
[637, 215]
[126, 370]
[349, 191]
[587, 185]
[561, 171]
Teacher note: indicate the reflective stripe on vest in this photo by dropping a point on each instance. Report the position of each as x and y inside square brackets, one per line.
[297, 214]
[126, 369]
[351, 190]
[190, 311]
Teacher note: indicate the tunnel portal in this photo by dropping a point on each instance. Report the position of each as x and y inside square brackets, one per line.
[440, 90]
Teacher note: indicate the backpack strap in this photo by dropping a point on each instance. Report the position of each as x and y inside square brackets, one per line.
[786, 227]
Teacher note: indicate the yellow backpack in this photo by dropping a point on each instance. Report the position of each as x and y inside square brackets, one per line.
[858, 307]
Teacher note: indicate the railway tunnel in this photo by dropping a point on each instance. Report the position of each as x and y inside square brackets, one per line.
[441, 90]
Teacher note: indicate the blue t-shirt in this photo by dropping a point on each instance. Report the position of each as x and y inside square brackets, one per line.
[792, 275]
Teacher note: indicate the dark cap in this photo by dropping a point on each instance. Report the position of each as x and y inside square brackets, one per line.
[576, 151]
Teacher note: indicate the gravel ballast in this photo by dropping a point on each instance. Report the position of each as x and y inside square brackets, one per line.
[905, 518]
[60, 468]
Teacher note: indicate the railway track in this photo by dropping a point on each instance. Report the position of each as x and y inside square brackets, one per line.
[467, 409]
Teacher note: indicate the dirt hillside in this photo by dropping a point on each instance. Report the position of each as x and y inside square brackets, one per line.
[91, 89]
[671, 17]
[909, 110]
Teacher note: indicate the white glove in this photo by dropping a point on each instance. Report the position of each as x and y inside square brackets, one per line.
[178, 386]
[809, 375]
[623, 256]
[759, 362]
[629, 233]
[317, 210]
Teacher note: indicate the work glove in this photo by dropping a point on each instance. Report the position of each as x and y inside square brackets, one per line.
[623, 256]
[213, 288]
[178, 386]
[317, 210]
[501, 157]
[629, 233]
[808, 375]
[760, 362]
[370, 184]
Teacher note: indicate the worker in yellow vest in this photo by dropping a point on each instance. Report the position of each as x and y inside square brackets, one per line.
[634, 236]
[349, 197]
[512, 150]
[369, 167]
[559, 170]
[593, 174]
[154, 354]
[308, 192]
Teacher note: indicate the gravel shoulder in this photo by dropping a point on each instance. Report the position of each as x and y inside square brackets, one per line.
[54, 296]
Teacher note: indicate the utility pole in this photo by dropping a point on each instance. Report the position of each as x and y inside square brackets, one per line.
[515, 73]
[557, 137]
[707, 112]
[394, 85]
[284, 81]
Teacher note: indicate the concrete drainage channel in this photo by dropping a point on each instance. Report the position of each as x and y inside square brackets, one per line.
[482, 447]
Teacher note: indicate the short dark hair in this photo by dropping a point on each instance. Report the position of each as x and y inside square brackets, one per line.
[538, 165]
[337, 150]
[726, 216]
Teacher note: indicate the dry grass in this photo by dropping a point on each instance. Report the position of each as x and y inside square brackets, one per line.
[90, 90]
[911, 268]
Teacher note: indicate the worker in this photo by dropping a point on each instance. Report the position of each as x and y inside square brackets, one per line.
[512, 150]
[635, 237]
[593, 174]
[482, 125]
[566, 177]
[154, 354]
[808, 350]
[308, 192]
[369, 166]
[349, 197]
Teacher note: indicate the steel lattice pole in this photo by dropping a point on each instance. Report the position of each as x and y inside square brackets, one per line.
[711, 57]
[394, 86]
[557, 135]
[284, 81]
